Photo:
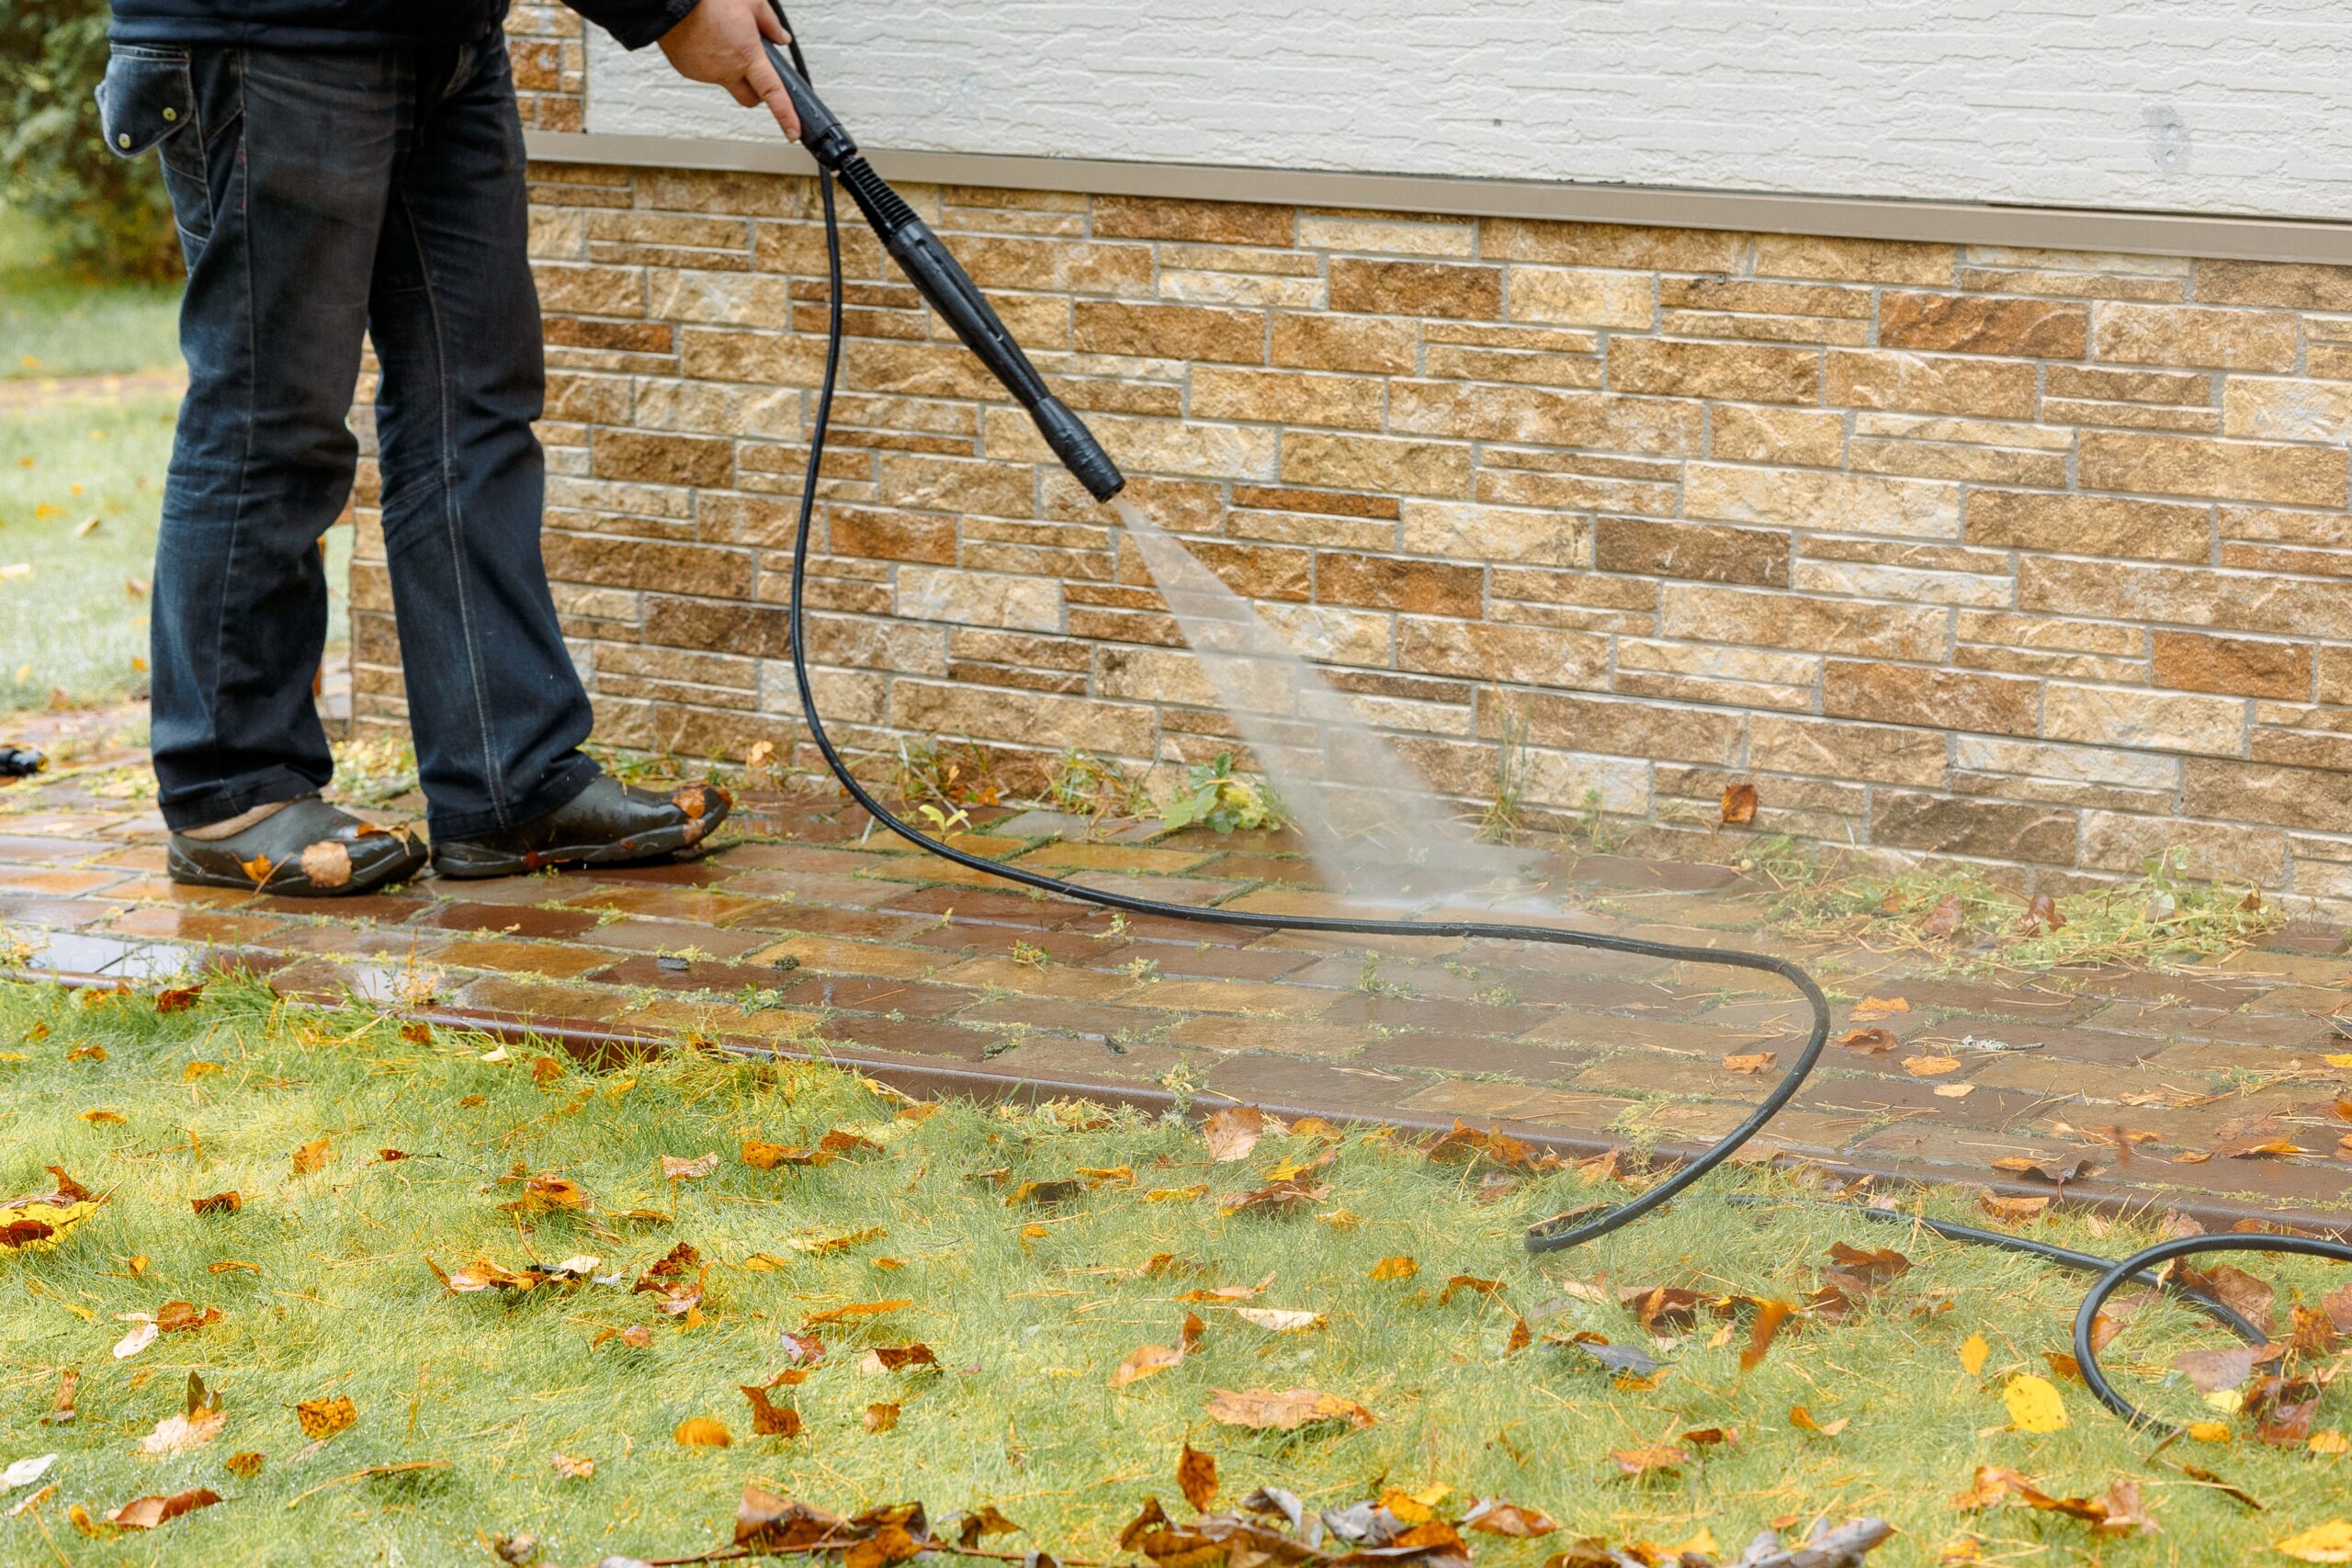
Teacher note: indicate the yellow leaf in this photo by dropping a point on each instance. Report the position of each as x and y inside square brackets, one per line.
[323, 1419]
[196, 1070]
[1699, 1545]
[2328, 1442]
[103, 1118]
[2034, 1403]
[2330, 1542]
[1397, 1268]
[2341, 1059]
[2209, 1431]
[701, 1432]
[312, 1156]
[1973, 1351]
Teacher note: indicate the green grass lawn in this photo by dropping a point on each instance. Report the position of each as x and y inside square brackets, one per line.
[323, 1289]
[74, 623]
[52, 324]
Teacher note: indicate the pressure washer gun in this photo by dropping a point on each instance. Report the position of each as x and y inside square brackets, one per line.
[935, 273]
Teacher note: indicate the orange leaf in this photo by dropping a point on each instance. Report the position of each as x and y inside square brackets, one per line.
[1196, 1474]
[1739, 805]
[325, 1417]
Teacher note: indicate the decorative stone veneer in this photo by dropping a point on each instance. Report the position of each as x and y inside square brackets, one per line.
[550, 60]
[2032, 556]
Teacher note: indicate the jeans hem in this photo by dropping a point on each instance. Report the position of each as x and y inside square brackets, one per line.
[276, 785]
[561, 788]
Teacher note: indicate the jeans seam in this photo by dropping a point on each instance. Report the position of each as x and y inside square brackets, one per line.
[493, 775]
[244, 470]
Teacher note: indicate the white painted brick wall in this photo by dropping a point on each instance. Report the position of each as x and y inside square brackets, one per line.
[2214, 106]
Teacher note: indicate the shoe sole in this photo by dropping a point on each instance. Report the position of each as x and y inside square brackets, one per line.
[187, 874]
[656, 845]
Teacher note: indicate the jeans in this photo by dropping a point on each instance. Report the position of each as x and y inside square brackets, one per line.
[322, 196]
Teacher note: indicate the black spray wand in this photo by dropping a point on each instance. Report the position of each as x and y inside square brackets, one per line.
[953, 294]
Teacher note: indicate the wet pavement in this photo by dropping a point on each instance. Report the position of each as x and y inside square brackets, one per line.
[808, 934]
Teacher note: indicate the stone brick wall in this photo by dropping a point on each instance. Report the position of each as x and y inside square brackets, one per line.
[550, 66]
[2033, 556]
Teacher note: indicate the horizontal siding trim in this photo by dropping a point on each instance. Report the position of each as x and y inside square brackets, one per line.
[1956, 222]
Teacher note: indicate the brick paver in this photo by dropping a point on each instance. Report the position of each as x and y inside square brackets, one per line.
[804, 933]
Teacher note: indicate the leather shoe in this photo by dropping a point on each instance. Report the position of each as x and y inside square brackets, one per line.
[305, 850]
[606, 824]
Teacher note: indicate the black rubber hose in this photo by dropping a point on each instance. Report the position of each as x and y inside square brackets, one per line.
[1571, 1230]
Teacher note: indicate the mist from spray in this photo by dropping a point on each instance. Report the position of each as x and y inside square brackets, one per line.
[1374, 827]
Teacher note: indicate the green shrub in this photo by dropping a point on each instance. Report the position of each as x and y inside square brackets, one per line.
[106, 216]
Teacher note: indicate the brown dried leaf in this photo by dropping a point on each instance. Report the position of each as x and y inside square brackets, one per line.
[856, 1310]
[769, 1419]
[881, 1416]
[1470, 1282]
[1663, 1457]
[1283, 1410]
[1946, 918]
[1497, 1516]
[2041, 915]
[1738, 804]
[1196, 1476]
[146, 1512]
[1771, 1316]
[1751, 1062]
[1233, 1132]
[1868, 1042]
[570, 1467]
[678, 1168]
[767, 1523]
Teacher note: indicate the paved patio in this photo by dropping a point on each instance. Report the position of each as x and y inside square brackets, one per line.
[804, 934]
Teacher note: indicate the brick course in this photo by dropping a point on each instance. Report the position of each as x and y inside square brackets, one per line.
[2033, 556]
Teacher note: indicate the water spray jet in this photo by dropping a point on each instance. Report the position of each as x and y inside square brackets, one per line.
[934, 273]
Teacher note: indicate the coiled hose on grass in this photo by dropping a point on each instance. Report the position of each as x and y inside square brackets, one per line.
[1575, 1229]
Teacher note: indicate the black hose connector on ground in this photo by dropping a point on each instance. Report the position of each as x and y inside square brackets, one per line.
[941, 280]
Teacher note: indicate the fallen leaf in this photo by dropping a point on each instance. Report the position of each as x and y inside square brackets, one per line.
[1233, 1132]
[243, 1466]
[146, 1512]
[1497, 1516]
[323, 1419]
[1929, 1067]
[2022, 1209]
[142, 1335]
[1277, 1320]
[570, 1468]
[178, 999]
[1470, 1282]
[2035, 1405]
[1872, 1042]
[1973, 1351]
[1279, 1196]
[1802, 1420]
[1946, 918]
[62, 1411]
[1196, 1476]
[312, 1156]
[2041, 915]
[1771, 1316]
[897, 1357]
[1285, 1410]
[548, 1193]
[198, 1423]
[1403, 1268]
[881, 1416]
[855, 1310]
[2330, 1542]
[25, 1471]
[1654, 1456]
[768, 1419]
[1738, 804]
[1751, 1062]
[701, 1432]
[2059, 1170]
[1873, 1007]
[2214, 1371]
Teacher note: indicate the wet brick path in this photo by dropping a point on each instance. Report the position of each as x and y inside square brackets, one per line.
[811, 935]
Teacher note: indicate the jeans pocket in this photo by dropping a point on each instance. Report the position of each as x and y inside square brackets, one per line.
[146, 97]
[147, 101]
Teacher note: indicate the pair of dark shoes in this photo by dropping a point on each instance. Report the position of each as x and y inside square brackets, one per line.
[312, 849]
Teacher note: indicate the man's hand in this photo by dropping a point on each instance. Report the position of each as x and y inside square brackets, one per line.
[718, 41]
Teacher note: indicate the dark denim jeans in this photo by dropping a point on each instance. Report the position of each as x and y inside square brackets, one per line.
[322, 195]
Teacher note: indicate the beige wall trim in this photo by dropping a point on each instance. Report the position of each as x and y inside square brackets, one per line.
[2072, 228]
